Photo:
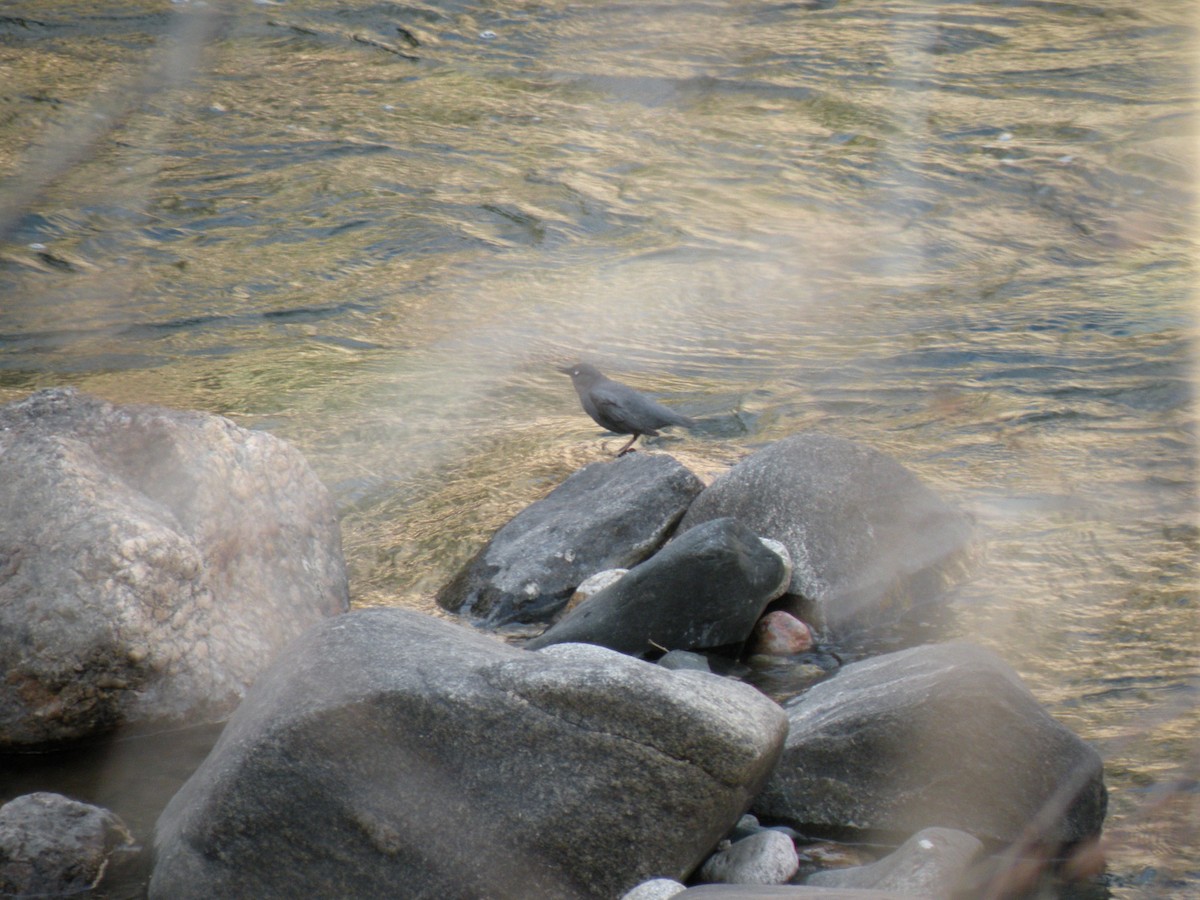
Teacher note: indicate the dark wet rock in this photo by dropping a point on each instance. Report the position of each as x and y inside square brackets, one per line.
[862, 531]
[830, 855]
[765, 857]
[940, 735]
[51, 845]
[705, 589]
[781, 677]
[392, 754]
[606, 515]
[152, 562]
[933, 863]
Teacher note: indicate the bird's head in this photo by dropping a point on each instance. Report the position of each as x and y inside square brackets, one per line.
[581, 372]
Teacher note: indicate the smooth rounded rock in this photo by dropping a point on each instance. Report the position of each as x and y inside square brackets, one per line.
[765, 857]
[655, 889]
[940, 735]
[779, 633]
[593, 585]
[705, 589]
[388, 753]
[864, 534]
[52, 846]
[684, 659]
[607, 515]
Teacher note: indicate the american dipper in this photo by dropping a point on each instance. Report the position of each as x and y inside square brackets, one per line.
[618, 407]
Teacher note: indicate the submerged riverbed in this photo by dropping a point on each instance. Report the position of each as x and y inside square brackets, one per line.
[961, 233]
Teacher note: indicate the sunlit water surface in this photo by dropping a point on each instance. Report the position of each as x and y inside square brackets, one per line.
[960, 233]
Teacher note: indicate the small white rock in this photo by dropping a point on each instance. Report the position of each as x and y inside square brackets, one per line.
[655, 889]
[593, 585]
[768, 857]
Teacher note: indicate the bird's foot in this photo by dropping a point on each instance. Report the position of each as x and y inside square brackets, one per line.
[628, 447]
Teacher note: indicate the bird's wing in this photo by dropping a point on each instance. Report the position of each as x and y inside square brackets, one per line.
[646, 411]
[612, 406]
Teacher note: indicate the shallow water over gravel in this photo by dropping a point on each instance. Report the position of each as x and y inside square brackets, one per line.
[959, 232]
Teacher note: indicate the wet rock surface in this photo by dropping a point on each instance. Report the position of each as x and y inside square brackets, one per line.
[53, 846]
[862, 530]
[933, 863]
[938, 735]
[389, 753]
[152, 562]
[707, 588]
[606, 515]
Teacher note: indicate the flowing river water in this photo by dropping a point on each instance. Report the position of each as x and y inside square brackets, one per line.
[962, 233]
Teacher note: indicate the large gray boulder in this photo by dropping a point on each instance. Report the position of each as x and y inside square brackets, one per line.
[940, 735]
[862, 531]
[607, 515]
[152, 562]
[392, 754]
[53, 846]
[704, 589]
[934, 863]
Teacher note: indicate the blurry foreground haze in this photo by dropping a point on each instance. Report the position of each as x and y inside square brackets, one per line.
[962, 233]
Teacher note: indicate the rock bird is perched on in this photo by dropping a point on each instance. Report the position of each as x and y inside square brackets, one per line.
[618, 407]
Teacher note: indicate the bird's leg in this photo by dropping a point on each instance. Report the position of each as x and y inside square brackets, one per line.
[628, 446]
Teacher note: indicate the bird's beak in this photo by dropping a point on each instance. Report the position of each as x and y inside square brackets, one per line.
[566, 370]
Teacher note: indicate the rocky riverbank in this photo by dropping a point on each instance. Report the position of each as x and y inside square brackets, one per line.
[159, 569]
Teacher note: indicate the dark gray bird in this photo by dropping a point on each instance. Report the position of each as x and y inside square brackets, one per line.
[620, 408]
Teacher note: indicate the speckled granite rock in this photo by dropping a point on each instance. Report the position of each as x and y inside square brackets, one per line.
[863, 532]
[152, 562]
[391, 754]
[53, 846]
[938, 735]
[765, 857]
